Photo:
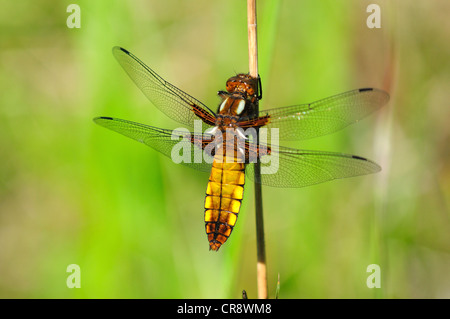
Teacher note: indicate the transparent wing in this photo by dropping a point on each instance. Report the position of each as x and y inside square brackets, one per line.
[288, 167]
[284, 167]
[299, 122]
[162, 141]
[172, 101]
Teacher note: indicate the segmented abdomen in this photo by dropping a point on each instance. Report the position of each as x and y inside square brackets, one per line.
[223, 199]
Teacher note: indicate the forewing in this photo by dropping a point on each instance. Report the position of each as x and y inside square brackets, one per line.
[172, 101]
[299, 122]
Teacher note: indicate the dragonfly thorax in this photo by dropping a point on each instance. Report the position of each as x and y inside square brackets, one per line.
[241, 98]
[233, 106]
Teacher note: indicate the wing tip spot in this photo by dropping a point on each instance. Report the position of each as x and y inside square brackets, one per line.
[359, 157]
[118, 48]
[121, 49]
[102, 118]
[365, 89]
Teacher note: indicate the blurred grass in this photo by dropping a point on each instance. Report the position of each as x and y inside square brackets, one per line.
[72, 192]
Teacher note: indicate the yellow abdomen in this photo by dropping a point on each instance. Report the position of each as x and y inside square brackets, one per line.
[223, 200]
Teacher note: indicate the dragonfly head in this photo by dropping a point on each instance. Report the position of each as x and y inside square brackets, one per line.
[244, 85]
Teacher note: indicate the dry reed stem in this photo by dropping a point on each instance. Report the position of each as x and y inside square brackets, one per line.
[261, 267]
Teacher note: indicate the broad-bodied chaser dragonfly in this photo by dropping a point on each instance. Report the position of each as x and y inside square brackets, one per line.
[238, 111]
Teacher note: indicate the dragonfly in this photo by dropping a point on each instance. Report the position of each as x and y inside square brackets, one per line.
[231, 160]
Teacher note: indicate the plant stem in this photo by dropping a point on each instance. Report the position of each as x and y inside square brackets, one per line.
[261, 266]
[252, 39]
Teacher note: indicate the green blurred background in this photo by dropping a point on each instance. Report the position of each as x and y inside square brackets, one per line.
[72, 192]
